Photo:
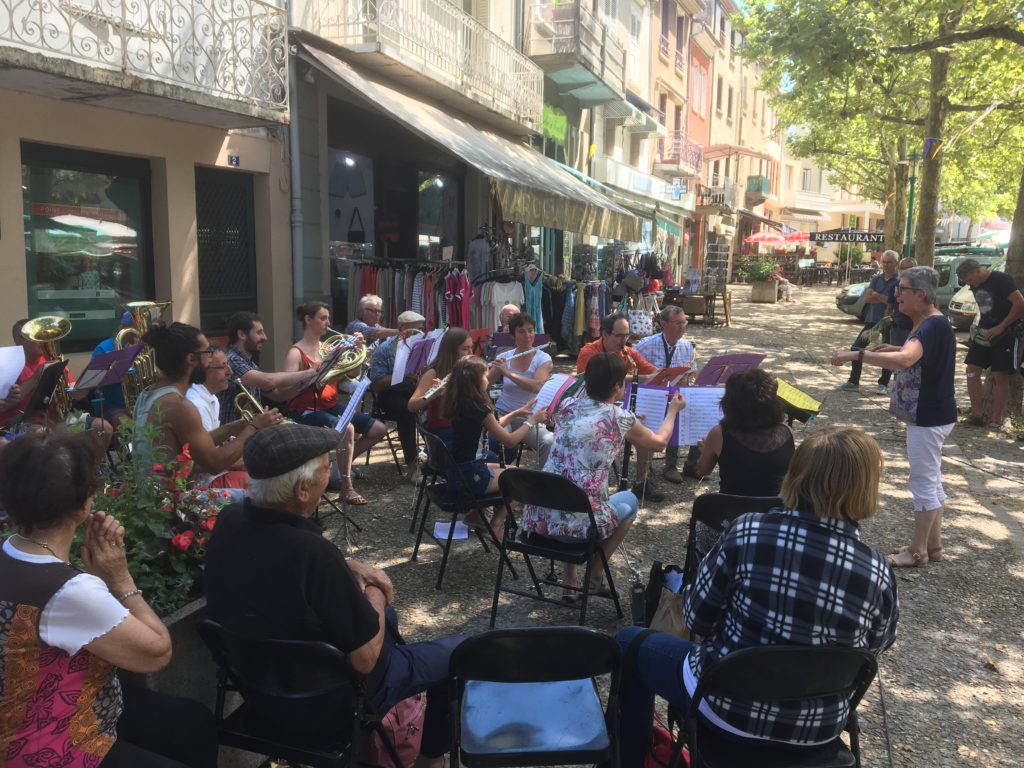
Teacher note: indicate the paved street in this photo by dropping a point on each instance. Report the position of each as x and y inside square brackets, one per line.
[952, 683]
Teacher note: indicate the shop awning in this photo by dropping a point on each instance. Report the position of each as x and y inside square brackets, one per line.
[804, 214]
[530, 187]
[757, 217]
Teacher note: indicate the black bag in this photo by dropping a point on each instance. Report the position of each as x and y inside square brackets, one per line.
[356, 234]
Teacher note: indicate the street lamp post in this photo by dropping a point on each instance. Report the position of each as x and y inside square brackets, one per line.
[912, 158]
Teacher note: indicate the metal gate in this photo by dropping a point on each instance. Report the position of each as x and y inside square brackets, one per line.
[227, 249]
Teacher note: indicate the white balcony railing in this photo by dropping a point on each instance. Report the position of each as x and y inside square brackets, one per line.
[230, 49]
[439, 40]
[676, 150]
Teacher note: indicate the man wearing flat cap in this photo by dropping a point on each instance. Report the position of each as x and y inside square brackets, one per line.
[270, 573]
[394, 400]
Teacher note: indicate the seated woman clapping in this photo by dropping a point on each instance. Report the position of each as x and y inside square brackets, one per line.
[64, 632]
[589, 433]
[798, 575]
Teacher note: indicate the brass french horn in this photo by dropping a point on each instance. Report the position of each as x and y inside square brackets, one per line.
[352, 358]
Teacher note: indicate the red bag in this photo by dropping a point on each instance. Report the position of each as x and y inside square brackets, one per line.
[659, 754]
[403, 725]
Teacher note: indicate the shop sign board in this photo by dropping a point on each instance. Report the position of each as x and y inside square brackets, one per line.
[847, 236]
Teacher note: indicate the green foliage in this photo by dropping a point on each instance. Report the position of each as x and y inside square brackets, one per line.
[856, 104]
[167, 520]
[754, 270]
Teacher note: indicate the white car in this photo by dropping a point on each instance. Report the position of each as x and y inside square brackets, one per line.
[963, 311]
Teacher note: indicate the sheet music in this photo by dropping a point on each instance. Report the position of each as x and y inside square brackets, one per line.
[548, 394]
[703, 410]
[651, 404]
[412, 355]
[353, 404]
[12, 361]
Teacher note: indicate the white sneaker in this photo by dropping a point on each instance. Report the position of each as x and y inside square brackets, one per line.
[848, 386]
[882, 389]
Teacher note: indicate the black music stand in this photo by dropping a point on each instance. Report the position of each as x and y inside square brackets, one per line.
[106, 369]
[718, 370]
[42, 395]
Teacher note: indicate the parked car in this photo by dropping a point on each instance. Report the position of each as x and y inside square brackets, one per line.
[851, 299]
[963, 311]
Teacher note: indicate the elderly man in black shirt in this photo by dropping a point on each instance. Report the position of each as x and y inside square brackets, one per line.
[270, 573]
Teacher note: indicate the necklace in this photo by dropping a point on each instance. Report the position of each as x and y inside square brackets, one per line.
[44, 545]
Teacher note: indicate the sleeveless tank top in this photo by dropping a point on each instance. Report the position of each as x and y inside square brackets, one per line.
[142, 449]
[310, 400]
[746, 472]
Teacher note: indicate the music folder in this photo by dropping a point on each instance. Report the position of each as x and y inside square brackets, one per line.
[108, 368]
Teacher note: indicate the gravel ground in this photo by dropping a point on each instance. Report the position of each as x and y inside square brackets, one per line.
[950, 690]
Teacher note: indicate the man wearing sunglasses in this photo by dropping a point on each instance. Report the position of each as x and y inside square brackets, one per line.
[182, 355]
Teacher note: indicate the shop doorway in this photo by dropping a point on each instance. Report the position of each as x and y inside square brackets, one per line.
[226, 245]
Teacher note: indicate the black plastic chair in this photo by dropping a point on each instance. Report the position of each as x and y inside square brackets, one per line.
[529, 697]
[530, 486]
[779, 674]
[717, 510]
[454, 501]
[377, 413]
[302, 700]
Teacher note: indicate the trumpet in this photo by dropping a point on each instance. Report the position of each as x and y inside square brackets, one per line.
[46, 331]
[247, 405]
[431, 393]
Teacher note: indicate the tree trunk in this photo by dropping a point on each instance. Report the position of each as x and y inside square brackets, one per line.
[931, 167]
[1015, 268]
[895, 194]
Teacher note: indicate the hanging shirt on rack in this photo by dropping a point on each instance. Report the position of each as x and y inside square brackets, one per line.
[532, 291]
[479, 257]
[569, 312]
[502, 294]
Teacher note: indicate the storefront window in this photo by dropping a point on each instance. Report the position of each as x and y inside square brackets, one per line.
[438, 214]
[87, 238]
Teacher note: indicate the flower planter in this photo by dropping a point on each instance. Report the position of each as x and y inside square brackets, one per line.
[764, 291]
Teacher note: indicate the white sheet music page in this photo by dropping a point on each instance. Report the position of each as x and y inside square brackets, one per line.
[651, 404]
[703, 410]
[353, 404]
[12, 361]
[550, 390]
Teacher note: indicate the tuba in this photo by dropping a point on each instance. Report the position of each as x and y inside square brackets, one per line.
[352, 358]
[143, 370]
[46, 331]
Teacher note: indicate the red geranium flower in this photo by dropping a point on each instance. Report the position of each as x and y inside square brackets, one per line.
[183, 541]
[160, 468]
[208, 523]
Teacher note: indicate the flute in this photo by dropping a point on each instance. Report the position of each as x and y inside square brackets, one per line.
[522, 354]
[432, 392]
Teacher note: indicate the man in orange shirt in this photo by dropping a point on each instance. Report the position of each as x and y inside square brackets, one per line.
[614, 334]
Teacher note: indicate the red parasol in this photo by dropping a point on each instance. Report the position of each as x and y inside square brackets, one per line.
[764, 236]
[798, 237]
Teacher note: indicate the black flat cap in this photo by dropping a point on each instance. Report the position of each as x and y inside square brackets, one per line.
[273, 451]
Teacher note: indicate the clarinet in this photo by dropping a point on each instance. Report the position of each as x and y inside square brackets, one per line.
[624, 477]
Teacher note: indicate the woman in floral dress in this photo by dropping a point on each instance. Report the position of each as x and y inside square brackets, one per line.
[589, 434]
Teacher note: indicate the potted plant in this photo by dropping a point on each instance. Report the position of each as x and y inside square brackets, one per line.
[760, 273]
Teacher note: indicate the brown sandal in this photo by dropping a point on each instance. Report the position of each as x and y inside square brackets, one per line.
[933, 554]
[917, 561]
[352, 497]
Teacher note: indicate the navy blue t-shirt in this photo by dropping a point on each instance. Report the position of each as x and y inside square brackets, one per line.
[923, 393]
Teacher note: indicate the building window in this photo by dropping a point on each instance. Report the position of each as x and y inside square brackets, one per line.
[727, 174]
[611, 9]
[729, 106]
[805, 180]
[88, 247]
[636, 146]
[699, 79]
[663, 108]
[714, 174]
[680, 33]
[787, 177]
[718, 97]
[678, 117]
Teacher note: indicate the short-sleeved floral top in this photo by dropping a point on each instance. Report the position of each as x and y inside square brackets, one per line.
[588, 438]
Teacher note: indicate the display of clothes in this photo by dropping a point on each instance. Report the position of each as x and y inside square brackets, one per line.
[533, 290]
[440, 291]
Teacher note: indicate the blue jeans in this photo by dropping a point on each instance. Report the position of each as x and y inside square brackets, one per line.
[658, 671]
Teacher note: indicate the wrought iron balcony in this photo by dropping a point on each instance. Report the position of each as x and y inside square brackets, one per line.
[723, 195]
[437, 41]
[235, 51]
[579, 53]
[678, 155]
[663, 46]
